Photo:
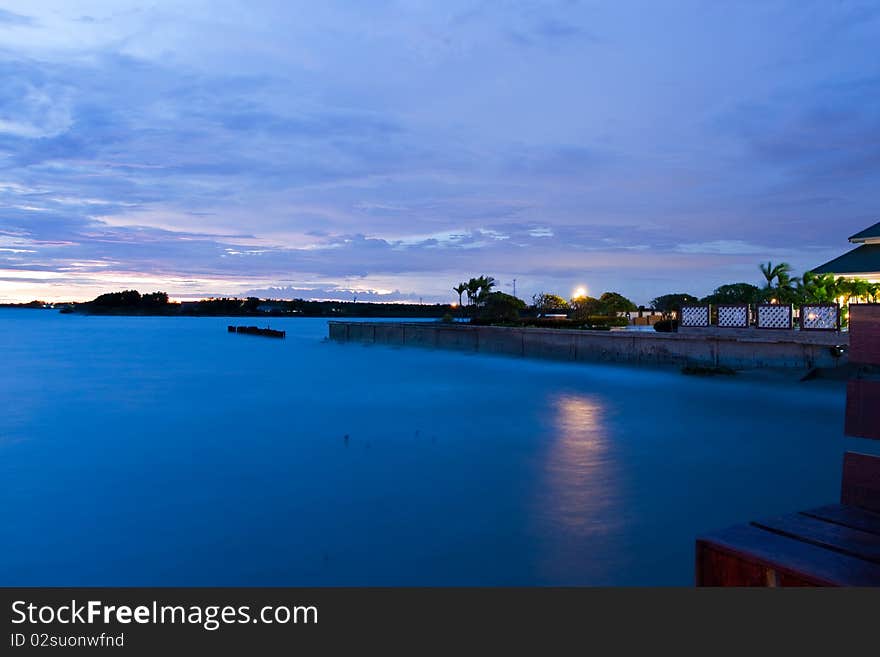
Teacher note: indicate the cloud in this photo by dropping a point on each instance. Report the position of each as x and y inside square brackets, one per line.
[412, 145]
[559, 161]
[724, 247]
[333, 294]
[11, 18]
[32, 106]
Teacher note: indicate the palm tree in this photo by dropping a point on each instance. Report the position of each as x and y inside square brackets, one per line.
[854, 288]
[486, 283]
[819, 288]
[461, 288]
[784, 279]
[473, 290]
[781, 273]
[768, 272]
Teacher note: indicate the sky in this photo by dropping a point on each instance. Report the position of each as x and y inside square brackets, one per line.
[391, 149]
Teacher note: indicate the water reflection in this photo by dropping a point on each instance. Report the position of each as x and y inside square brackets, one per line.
[579, 472]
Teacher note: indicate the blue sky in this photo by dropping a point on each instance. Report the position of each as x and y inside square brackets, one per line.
[396, 148]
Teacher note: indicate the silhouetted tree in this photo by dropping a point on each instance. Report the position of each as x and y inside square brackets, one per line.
[155, 299]
[668, 303]
[461, 288]
[734, 293]
[585, 307]
[545, 302]
[611, 303]
[500, 307]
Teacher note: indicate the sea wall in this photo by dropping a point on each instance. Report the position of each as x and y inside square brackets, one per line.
[738, 349]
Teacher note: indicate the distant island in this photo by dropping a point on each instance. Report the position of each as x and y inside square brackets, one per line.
[132, 302]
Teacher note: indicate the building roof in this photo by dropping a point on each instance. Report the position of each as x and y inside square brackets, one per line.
[870, 234]
[861, 260]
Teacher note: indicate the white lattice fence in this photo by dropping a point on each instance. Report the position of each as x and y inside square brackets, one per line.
[820, 317]
[694, 316]
[774, 316]
[733, 316]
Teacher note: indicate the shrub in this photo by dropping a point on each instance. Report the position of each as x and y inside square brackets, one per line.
[542, 322]
[605, 321]
[501, 307]
[666, 326]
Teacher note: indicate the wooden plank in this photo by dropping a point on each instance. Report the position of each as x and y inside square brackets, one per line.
[845, 540]
[848, 516]
[789, 557]
[863, 408]
[717, 567]
[860, 485]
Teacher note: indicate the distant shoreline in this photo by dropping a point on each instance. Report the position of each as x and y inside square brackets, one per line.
[249, 308]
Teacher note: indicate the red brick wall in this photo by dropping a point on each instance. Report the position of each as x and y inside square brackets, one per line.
[861, 481]
[864, 333]
[863, 408]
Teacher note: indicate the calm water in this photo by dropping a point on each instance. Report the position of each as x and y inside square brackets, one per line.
[162, 451]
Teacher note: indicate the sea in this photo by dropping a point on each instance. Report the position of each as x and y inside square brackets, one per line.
[165, 451]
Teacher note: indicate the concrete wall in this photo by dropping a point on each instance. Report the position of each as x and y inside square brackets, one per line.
[737, 349]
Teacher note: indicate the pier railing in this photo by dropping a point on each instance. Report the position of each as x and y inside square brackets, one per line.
[813, 317]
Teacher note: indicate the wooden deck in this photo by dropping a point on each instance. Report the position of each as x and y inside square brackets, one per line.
[834, 545]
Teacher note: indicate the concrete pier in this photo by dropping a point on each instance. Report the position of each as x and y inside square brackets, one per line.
[737, 349]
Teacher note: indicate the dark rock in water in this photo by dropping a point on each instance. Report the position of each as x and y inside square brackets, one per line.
[843, 373]
[701, 370]
[255, 330]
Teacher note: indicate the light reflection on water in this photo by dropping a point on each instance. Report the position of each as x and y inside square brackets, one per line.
[578, 469]
[578, 500]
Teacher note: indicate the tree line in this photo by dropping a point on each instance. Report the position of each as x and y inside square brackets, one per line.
[486, 305]
[780, 286]
[132, 302]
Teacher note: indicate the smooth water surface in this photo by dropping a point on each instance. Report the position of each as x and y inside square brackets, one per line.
[164, 451]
